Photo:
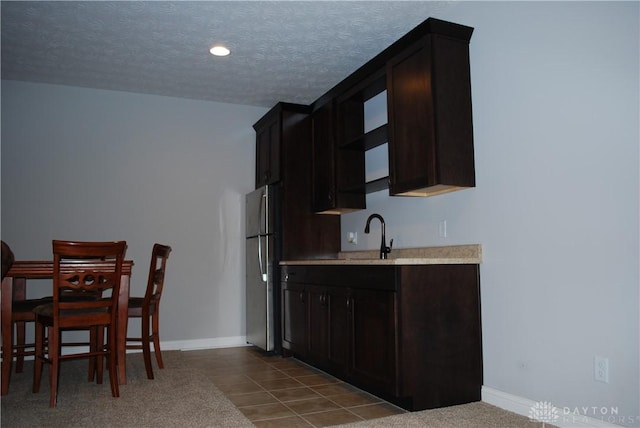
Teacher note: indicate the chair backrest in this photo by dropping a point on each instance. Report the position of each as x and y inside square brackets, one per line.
[7, 258]
[157, 269]
[92, 269]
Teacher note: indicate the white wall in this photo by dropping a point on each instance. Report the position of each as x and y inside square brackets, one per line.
[555, 103]
[89, 164]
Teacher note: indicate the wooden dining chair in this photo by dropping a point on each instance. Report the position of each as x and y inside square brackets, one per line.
[21, 314]
[92, 268]
[147, 308]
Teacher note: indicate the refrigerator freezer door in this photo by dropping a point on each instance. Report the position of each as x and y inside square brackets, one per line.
[259, 292]
[260, 218]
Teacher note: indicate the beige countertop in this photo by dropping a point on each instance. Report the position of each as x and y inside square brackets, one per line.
[453, 254]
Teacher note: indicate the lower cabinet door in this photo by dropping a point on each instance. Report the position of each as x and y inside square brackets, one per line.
[294, 317]
[373, 340]
[329, 328]
[318, 326]
[338, 355]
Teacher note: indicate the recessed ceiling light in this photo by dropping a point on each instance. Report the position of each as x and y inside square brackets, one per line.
[219, 51]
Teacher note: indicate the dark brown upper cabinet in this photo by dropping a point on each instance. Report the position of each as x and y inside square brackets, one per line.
[280, 128]
[429, 109]
[429, 130]
[352, 136]
[283, 159]
[337, 171]
[268, 134]
[340, 143]
[426, 75]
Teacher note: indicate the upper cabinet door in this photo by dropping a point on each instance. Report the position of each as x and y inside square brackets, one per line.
[430, 123]
[323, 164]
[268, 144]
[338, 184]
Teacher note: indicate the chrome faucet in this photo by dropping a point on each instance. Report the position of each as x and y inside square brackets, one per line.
[384, 250]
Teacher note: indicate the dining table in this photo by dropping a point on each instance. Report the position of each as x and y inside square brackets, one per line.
[14, 287]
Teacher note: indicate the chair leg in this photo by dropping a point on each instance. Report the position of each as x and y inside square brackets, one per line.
[20, 340]
[146, 346]
[156, 337]
[54, 357]
[38, 359]
[95, 362]
[112, 357]
[92, 360]
[99, 346]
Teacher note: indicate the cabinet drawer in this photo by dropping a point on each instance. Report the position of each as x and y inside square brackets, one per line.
[370, 277]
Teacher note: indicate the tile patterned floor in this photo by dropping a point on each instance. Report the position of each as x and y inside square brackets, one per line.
[272, 391]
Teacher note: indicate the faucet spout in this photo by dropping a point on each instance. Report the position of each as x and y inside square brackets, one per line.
[384, 250]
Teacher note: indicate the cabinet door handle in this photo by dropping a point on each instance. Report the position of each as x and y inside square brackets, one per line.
[302, 296]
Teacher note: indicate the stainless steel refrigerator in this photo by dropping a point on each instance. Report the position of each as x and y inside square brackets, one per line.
[262, 284]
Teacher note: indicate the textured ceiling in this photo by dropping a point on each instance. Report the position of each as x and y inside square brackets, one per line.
[291, 51]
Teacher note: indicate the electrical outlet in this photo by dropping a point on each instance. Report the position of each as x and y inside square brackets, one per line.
[601, 369]
[352, 238]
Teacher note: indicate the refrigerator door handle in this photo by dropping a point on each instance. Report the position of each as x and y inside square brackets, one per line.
[264, 226]
[262, 272]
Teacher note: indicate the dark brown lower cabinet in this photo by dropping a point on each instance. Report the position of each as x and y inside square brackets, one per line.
[410, 334]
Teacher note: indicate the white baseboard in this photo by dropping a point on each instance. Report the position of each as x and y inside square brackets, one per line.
[213, 343]
[174, 345]
[177, 345]
[523, 406]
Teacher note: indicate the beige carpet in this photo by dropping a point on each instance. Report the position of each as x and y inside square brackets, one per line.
[473, 415]
[182, 397]
[177, 397]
